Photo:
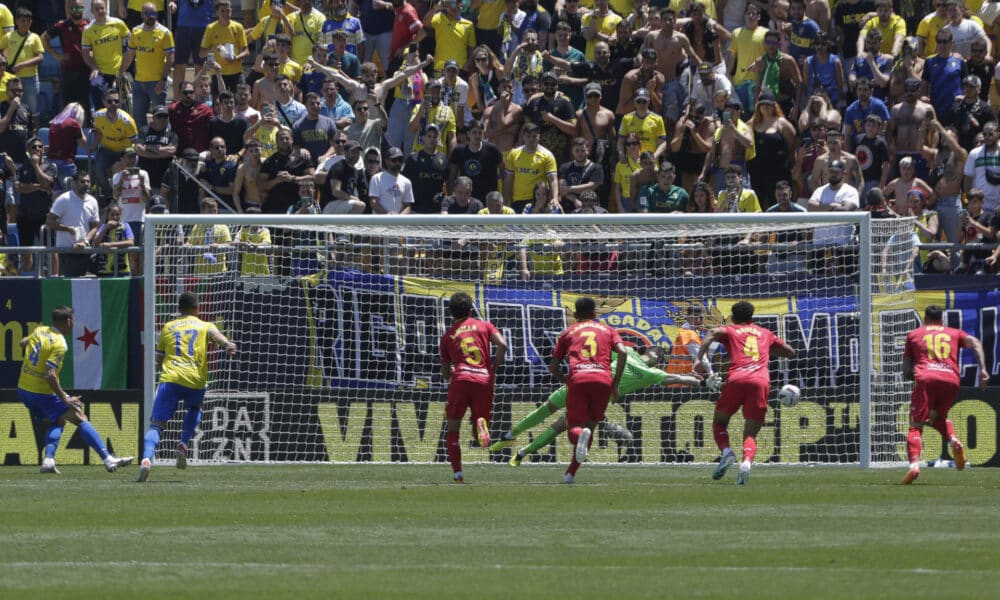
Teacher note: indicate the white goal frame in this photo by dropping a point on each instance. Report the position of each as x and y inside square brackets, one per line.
[860, 219]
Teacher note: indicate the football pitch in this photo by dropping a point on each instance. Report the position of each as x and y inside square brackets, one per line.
[381, 531]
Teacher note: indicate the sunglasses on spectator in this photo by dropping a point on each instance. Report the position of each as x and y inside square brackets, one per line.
[37, 147]
[187, 92]
[113, 101]
[633, 143]
[218, 147]
[943, 41]
[151, 13]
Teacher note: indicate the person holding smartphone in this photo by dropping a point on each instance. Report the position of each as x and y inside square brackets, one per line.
[130, 189]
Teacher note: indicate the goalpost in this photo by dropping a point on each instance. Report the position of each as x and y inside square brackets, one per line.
[338, 320]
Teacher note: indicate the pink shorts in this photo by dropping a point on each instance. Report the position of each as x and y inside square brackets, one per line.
[930, 395]
[751, 395]
[586, 401]
[463, 395]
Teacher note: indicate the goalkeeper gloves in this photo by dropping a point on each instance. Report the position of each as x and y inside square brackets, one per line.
[713, 382]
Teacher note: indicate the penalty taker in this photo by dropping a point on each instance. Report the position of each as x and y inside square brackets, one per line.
[641, 371]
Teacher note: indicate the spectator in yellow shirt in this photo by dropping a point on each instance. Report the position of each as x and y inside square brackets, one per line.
[225, 43]
[453, 35]
[151, 46]
[24, 51]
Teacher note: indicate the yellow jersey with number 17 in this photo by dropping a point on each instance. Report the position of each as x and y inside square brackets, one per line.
[46, 348]
[183, 345]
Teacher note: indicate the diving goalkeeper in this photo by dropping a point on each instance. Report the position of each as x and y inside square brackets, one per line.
[641, 371]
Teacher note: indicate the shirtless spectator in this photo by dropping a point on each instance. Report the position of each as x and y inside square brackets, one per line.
[645, 75]
[503, 119]
[835, 151]
[672, 49]
[707, 36]
[903, 132]
[895, 191]
[246, 194]
[265, 89]
[947, 170]
[819, 110]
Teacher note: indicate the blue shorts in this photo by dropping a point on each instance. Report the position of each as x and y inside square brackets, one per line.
[187, 45]
[167, 397]
[43, 406]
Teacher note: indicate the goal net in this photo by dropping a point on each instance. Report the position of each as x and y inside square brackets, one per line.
[338, 321]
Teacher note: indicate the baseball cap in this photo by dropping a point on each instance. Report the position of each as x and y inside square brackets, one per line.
[734, 103]
[160, 111]
[157, 204]
[433, 126]
[648, 53]
[592, 88]
[432, 83]
[911, 82]
[972, 80]
[837, 165]
[393, 153]
[767, 97]
[642, 93]
[130, 151]
[550, 75]
[190, 153]
[705, 69]
[351, 145]
[451, 64]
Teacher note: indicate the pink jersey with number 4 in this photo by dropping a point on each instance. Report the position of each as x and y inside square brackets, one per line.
[749, 348]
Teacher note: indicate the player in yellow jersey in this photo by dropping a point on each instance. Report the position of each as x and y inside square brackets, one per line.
[151, 46]
[182, 358]
[102, 50]
[6, 20]
[39, 389]
[527, 165]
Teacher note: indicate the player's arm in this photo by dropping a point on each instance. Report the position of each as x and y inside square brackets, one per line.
[622, 352]
[701, 362]
[783, 350]
[24, 343]
[446, 369]
[217, 336]
[907, 368]
[501, 344]
[971, 342]
[555, 367]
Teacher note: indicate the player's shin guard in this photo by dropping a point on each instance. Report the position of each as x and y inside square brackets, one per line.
[52, 440]
[93, 439]
[914, 444]
[191, 419]
[454, 450]
[534, 418]
[151, 441]
[749, 448]
[721, 435]
[540, 442]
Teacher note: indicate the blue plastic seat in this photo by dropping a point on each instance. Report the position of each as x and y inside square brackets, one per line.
[82, 154]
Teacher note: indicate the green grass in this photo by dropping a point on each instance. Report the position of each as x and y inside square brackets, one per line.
[381, 531]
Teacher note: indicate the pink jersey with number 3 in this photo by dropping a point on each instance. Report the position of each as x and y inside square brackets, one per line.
[588, 345]
[749, 348]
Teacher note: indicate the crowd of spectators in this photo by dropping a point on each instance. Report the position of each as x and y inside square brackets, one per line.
[441, 106]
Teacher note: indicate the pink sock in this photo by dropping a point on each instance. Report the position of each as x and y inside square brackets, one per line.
[749, 448]
[914, 444]
[721, 435]
[574, 436]
[454, 450]
[945, 427]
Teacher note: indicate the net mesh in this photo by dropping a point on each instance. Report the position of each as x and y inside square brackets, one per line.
[338, 325]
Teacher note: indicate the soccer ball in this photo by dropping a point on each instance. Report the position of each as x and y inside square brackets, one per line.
[789, 395]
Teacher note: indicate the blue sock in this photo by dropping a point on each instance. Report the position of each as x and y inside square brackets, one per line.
[93, 439]
[191, 419]
[151, 441]
[52, 440]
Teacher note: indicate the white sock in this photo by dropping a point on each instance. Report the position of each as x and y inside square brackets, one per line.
[49, 462]
[745, 466]
[954, 442]
[915, 466]
[458, 474]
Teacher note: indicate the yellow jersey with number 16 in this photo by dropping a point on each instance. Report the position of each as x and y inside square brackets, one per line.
[46, 348]
[183, 345]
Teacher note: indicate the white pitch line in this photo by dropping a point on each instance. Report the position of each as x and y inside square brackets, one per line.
[448, 566]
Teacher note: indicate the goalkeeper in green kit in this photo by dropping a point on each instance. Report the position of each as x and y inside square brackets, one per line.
[640, 372]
